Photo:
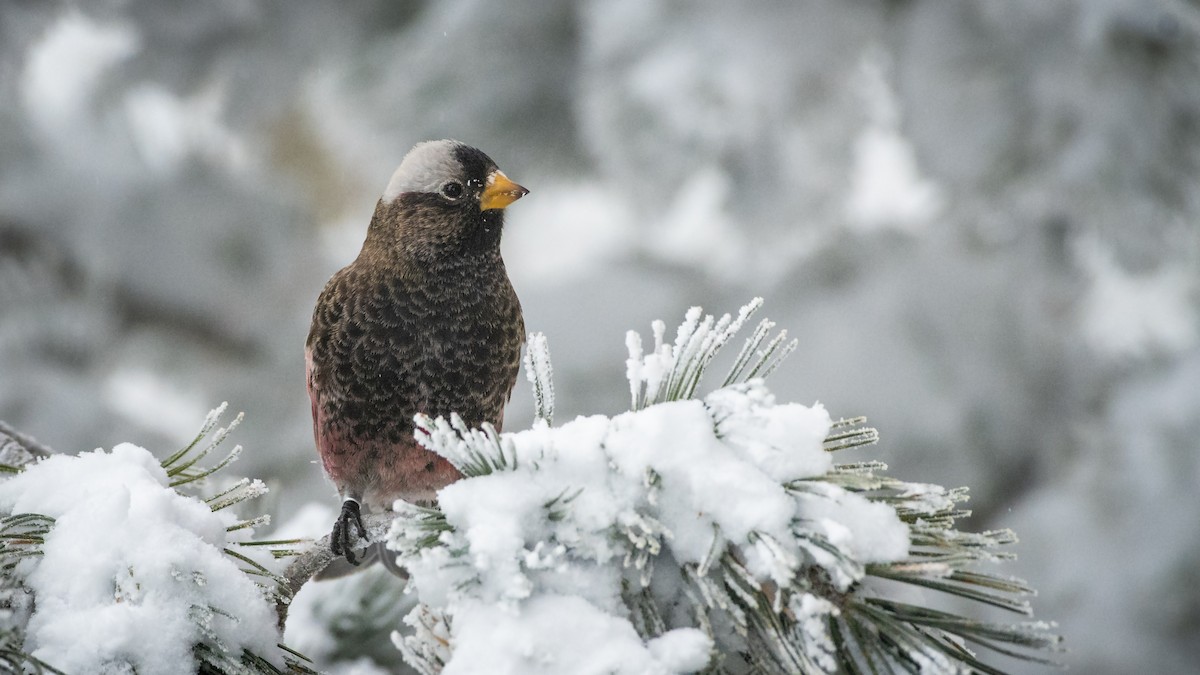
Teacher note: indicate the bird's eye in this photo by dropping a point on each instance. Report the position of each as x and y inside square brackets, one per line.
[452, 190]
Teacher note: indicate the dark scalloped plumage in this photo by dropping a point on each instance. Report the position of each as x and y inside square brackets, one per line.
[424, 320]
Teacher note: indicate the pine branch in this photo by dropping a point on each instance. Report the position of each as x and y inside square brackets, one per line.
[18, 449]
[22, 537]
[312, 557]
[541, 376]
[780, 601]
[764, 590]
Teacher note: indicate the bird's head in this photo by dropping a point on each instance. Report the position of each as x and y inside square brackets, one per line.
[446, 198]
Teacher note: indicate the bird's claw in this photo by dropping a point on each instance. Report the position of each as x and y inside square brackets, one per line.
[347, 530]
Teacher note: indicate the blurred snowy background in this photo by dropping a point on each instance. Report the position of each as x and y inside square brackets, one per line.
[979, 218]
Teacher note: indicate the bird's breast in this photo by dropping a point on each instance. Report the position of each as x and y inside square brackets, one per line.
[449, 344]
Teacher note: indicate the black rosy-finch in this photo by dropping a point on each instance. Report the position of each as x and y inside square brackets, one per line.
[425, 320]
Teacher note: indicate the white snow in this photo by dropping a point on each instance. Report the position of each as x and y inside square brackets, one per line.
[64, 70]
[748, 418]
[540, 373]
[167, 129]
[538, 526]
[1129, 315]
[871, 531]
[697, 230]
[152, 401]
[647, 369]
[886, 187]
[529, 573]
[887, 190]
[682, 649]
[812, 614]
[132, 571]
[705, 484]
[555, 634]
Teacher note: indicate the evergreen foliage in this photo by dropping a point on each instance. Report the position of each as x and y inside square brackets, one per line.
[828, 611]
[185, 468]
[22, 536]
[807, 599]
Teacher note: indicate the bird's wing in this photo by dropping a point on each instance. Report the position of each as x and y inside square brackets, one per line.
[311, 384]
[331, 446]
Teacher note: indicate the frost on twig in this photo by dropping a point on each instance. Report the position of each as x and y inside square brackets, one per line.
[18, 449]
[541, 376]
[313, 557]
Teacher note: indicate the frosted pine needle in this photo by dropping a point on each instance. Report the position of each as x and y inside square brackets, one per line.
[729, 503]
[540, 374]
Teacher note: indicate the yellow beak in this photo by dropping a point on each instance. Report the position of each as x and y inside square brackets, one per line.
[500, 192]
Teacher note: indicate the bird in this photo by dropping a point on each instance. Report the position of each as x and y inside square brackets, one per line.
[424, 320]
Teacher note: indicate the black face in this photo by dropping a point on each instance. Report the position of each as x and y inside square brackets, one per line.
[475, 165]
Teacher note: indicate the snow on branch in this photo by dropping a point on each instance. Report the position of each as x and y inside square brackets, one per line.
[701, 531]
[707, 533]
[541, 376]
[107, 566]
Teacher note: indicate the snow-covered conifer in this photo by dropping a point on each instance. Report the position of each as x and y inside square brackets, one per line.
[695, 533]
[107, 565]
[705, 530]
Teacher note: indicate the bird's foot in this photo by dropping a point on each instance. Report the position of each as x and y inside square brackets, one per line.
[344, 535]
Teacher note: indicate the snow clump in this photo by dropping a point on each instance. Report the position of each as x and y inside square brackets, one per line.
[132, 575]
[527, 565]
